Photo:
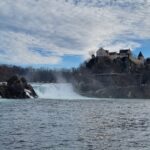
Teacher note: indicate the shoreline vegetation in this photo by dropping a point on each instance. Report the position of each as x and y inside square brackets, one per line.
[105, 75]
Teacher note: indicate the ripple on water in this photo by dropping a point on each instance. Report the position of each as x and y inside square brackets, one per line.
[82, 125]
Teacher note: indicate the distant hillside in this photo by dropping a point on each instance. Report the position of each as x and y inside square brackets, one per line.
[32, 75]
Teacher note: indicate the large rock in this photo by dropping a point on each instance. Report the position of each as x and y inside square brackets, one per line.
[17, 88]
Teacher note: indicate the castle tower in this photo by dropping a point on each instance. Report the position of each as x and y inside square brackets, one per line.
[101, 52]
[141, 57]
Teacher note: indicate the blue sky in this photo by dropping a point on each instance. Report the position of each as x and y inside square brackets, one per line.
[63, 33]
[67, 62]
[145, 48]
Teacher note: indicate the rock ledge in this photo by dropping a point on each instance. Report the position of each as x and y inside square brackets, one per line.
[17, 88]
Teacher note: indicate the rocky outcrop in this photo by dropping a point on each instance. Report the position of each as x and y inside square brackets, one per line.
[16, 87]
[114, 77]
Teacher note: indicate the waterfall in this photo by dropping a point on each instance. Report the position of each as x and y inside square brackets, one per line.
[56, 91]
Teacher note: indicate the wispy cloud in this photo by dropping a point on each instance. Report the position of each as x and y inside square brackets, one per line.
[43, 31]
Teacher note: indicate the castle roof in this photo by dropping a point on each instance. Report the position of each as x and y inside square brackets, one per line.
[140, 55]
[125, 51]
[102, 49]
[112, 53]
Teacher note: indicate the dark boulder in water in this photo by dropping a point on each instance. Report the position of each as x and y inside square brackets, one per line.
[17, 88]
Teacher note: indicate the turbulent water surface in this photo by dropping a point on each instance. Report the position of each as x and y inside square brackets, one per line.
[104, 124]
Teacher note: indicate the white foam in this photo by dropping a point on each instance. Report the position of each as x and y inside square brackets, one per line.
[28, 93]
[56, 91]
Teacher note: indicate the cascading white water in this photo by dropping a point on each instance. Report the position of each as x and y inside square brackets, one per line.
[56, 91]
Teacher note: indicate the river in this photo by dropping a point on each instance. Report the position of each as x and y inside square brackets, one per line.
[74, 124]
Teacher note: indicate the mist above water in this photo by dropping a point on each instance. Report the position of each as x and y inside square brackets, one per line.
[56, 91]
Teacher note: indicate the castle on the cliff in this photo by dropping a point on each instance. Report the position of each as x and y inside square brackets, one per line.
[123, 53]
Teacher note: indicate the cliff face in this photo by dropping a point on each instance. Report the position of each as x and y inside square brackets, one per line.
[118, 78]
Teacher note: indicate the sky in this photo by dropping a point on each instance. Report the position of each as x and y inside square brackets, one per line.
[63, 33]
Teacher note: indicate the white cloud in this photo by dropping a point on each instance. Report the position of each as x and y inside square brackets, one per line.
[64, 27]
